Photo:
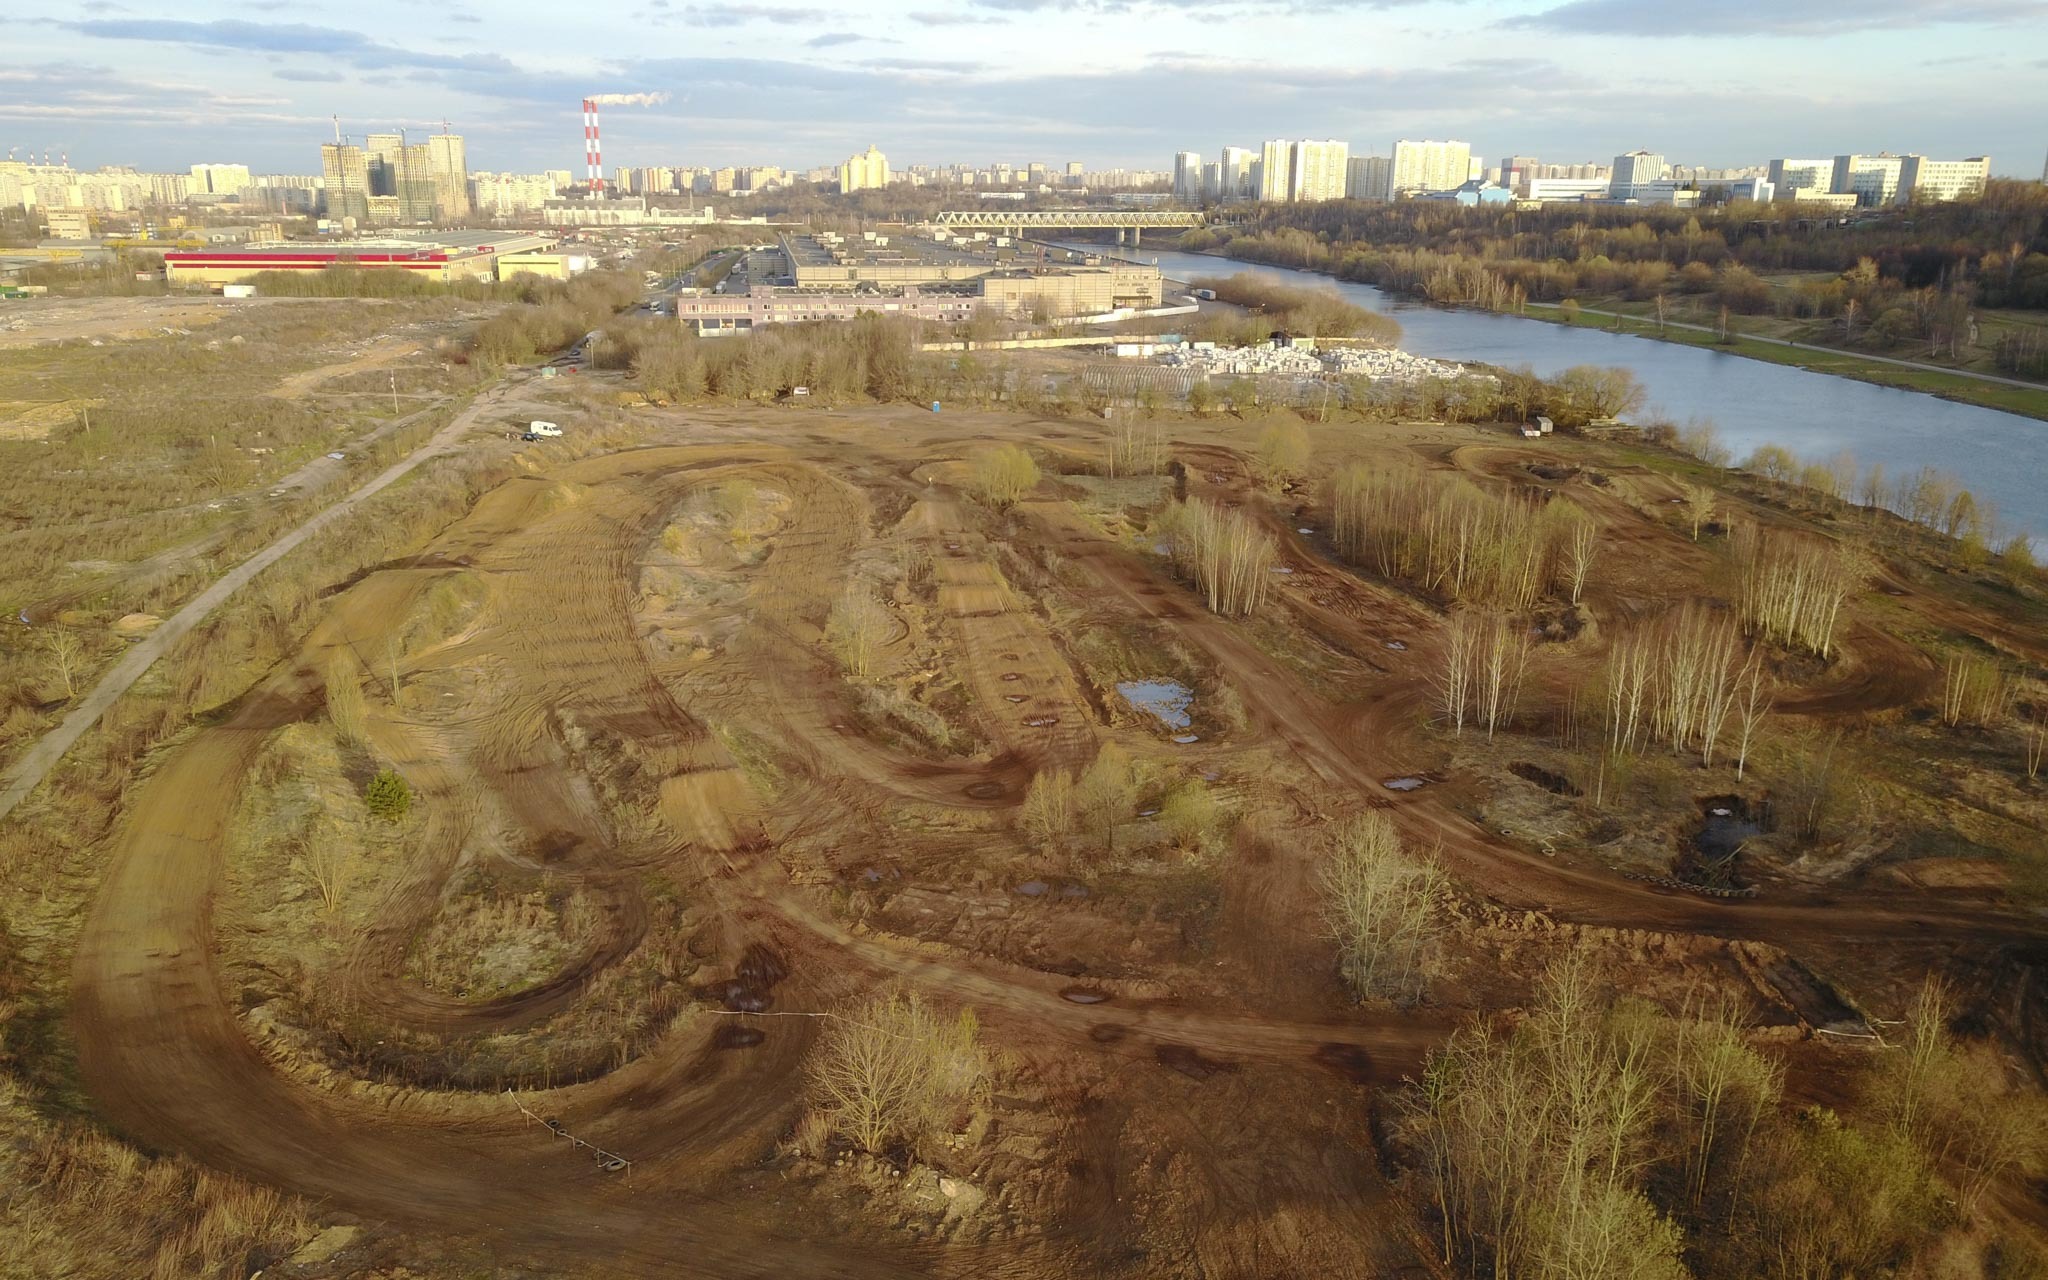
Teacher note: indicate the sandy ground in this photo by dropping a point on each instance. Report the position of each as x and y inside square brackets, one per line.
[1214, 1060]
[30, 321]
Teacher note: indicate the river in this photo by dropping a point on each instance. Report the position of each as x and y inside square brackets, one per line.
[2000, 457]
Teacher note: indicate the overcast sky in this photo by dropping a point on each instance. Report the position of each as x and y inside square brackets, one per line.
[1106, 82]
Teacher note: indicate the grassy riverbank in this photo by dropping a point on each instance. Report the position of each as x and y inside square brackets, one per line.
[2027, 401]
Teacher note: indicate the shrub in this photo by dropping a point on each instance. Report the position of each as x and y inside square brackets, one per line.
[387, 796]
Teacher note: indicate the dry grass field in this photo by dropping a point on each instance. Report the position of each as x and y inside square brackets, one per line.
[827, 846]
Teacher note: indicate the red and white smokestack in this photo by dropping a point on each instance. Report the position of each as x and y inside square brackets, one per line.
[593, 162]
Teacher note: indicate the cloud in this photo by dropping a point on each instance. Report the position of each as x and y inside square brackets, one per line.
[293, 73]
[1768, 17]
[831, 38]
[737, 15]
[277, 37]
[932, 19]
[951, 66]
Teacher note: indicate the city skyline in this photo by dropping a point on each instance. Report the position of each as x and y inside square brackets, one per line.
[983, 80]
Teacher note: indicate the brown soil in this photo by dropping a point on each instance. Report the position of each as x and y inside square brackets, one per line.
[657, 742]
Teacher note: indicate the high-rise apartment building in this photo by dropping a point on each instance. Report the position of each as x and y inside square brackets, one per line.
[1187, 176]
[1320, 171]
[345, 173]
[1276, 170]
[1428, 165]
[1235, 174]
[867, 171]
[380, 153]
[504, 194]
[448, 161]
[222, 180]
[1633, 174]
[1368, 177]
[1306, 170]
[1515, 171]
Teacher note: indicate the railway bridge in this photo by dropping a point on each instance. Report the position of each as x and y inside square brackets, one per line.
[1122, 221]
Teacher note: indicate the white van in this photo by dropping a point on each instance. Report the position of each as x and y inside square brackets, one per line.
[545, 430]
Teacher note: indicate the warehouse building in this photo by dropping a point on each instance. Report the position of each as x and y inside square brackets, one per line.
[441, 256]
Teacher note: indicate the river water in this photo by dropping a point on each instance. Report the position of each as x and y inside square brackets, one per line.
[2001, 457]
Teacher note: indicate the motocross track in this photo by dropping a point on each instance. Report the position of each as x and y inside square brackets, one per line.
[564, 704]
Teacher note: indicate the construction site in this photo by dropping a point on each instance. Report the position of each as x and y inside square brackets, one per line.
[497, 785]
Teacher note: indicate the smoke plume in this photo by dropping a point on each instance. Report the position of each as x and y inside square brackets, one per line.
[629, 99]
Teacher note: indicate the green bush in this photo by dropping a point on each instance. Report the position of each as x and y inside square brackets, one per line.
[387, 796]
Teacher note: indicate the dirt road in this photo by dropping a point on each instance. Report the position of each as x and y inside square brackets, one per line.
[548, 736]
[35, 764]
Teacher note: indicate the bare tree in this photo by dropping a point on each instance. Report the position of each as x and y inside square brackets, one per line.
[1107, 792]
[345, 706]
[857, 628]
[66, 650]
[1581, 546]
[2034, 739]
[1283, 452]
[1382, 906]
[1973, 691]
[1754, 689]
[1502, 661]
[1003, 473]
[1049, 806]
[1699, 507]
[1461, 641]
[895, 1069]
[330, 866]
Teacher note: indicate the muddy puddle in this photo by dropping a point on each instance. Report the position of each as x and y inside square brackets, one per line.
[1191, 1062]
[1168, 701]
[1084, 995]
[1726, 824]
[1397, 646]
[1555, 783]
[1405, 784]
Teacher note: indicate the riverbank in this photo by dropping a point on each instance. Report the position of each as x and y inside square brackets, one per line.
[2009, 395]
[1960, 386]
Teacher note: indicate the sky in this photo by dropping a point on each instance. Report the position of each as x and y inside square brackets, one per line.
[1105, 82]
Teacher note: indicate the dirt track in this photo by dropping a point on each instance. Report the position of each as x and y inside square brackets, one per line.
[566, 706]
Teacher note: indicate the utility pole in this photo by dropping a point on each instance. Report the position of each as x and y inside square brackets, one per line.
[394, 393]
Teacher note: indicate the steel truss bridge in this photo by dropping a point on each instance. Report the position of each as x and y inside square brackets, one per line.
[1079, 219]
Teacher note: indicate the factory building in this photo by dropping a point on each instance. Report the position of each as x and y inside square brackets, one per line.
[441, 257]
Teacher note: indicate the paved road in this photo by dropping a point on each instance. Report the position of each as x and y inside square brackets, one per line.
[1809, 346]
[29, 771]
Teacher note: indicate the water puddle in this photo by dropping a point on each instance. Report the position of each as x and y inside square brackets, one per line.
[1397, 646]
[1168, 700]
[1016, 697]
[1282, 569]
[1013, 675]
[1185, 738]
[986, 791]
[1405, 784]
[1034, 888]
[1304, 529]
[1073, 891]
[1084, 995]
[1041, 722]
